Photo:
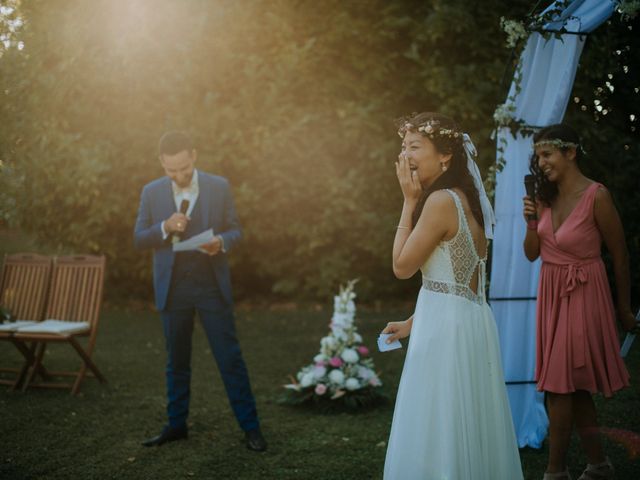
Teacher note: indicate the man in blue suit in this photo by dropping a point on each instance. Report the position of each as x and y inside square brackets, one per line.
[185, 203]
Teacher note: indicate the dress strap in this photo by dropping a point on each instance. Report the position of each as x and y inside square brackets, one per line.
[591, 194]
[462, 219]
[463, 224]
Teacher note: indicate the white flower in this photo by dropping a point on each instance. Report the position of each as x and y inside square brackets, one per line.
[319, 371]
[504, 114]
[349, 355]
[352, 384]
[350, 307]
[307, 380]
[319, 358]
[340, 335]
[428, 129]
[337, 377]
[341, 319]
[357, 337]
[365, 373]
[328, 342]
[515, 31]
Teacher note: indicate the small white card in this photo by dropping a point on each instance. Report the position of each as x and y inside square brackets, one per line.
[383, 346]
[628, 340]
[626, 345]
[194, 242]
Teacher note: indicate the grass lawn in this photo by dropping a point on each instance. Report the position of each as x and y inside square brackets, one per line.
[49, 434]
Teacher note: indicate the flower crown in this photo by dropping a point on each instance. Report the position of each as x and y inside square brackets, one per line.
[431, 129]
[558, 143]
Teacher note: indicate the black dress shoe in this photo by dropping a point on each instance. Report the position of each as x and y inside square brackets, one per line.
[168, 434]
[255, 440]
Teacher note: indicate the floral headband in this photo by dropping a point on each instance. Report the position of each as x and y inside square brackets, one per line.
[557, 143]
[430, 129]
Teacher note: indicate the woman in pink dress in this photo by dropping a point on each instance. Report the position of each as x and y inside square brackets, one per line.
[577, 341]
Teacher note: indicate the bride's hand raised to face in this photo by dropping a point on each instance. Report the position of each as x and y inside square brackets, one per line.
[409, 182]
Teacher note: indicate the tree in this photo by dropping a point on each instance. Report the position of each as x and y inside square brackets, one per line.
[292, 100]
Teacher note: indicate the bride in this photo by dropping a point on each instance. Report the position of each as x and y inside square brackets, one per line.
[452, 418]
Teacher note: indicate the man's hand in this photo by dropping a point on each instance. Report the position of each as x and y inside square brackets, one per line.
[629, 322]
[176, 223]
[213, 247]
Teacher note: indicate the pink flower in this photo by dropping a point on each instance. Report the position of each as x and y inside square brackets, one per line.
[321, 364]
[321, 389]
[375, 382]
[336, 362]
[362, 350]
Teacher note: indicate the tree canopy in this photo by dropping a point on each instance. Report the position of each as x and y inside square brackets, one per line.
[292, 100]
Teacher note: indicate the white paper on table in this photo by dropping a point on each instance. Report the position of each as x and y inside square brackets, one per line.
[383, 346]
[194, 242]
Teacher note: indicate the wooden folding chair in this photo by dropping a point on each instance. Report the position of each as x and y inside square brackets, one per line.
[73, 310]
[24, 284]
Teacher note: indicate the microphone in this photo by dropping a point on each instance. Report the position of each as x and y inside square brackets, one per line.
[530, 187]
[184, 207]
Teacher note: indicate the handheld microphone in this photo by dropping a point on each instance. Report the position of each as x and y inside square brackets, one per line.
[184, 207]
[530, 187]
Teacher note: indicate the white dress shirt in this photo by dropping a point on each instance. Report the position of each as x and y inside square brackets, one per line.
[189, 193]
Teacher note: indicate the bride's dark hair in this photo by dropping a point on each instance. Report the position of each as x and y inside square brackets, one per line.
[457, 175]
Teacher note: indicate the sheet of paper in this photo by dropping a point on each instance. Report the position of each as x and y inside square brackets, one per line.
[626, 345]
[628, 340]
[194, 242]
[383, 346]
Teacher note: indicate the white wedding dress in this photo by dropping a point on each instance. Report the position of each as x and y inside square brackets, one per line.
[452, 419]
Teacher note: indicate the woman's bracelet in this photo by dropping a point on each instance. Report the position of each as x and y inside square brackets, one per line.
[403, 227]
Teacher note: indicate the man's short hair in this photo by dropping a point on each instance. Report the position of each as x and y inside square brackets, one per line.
[174, 142]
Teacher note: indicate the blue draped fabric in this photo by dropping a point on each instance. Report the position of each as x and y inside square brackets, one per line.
[548, 72]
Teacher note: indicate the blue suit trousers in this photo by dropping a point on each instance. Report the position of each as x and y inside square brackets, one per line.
[216, 315]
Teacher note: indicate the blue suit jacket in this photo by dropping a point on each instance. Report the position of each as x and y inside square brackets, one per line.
[218, 212]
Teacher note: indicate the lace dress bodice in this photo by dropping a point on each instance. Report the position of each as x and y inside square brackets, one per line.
[452, 265]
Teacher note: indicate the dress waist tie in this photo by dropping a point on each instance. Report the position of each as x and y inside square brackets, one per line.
[575, 276]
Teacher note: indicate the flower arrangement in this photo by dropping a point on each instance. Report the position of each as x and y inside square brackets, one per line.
[515, 30]
[342, 373]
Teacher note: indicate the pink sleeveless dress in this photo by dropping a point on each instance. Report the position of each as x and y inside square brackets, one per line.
[577, 341]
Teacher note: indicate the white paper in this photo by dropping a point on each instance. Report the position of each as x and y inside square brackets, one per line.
[383, 346]
[628, 340]
[626, 345]
[194, 242]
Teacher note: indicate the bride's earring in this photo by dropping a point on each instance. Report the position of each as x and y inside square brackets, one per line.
[444, 167]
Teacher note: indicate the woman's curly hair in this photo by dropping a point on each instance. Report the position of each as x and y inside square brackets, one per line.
[547, 191]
